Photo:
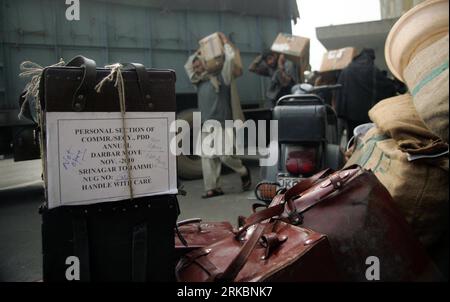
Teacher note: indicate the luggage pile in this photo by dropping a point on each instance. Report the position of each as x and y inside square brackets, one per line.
[328, 226]
[325, 228]
[104, 217]
[408, 148]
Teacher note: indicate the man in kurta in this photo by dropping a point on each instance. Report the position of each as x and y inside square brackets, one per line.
[214, 102]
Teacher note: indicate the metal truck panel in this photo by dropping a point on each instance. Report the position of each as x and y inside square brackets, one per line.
[158, 34]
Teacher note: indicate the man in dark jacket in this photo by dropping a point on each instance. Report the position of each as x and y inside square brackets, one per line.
[363, 86]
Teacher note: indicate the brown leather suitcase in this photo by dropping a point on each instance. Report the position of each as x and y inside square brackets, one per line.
[270, 251]
[193, 233]
[360, 219]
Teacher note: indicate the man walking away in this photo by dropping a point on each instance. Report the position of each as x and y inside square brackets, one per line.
[214, 101]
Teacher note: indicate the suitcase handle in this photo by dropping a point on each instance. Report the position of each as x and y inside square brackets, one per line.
[305, 184]
[87, 82]
[143, 82]
[189, 221]
[334, 182]
[277, 207]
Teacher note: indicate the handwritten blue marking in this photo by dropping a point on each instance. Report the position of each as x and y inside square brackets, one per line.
[123, 177]
[72, 159]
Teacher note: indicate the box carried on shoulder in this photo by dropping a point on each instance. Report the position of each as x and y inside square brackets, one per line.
[211, 49]
[213, 53]
[337, 59]
[293, 47]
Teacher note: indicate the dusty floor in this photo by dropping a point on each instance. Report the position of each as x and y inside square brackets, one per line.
[21, 193]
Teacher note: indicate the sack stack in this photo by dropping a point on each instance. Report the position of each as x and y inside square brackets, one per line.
[416, 52]
[417, 186]
[408, 150]
[427, 78]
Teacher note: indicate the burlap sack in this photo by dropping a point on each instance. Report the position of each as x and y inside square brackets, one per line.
[419, 189]
[427, 78]
[398, 118]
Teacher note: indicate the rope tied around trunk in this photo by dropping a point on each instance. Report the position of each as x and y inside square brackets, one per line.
[34, 71]
[116, 72]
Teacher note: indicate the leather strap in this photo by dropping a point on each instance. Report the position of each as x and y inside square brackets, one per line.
[196, 256]
[180, 236]
[271, 241]
[241, 221]
[191, 257]
[81, 246]
[261, 216]
[255, 206]
[327, 187]
[239, 261]
[208, 267]
[143, 81]
[305, 184]
[87, 82]
[184, 222]
[241, 258]
[188, 221]
[139, 253]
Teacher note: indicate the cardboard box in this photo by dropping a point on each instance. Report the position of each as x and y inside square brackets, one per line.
[211, 49]
[294, 48]
[337, 59]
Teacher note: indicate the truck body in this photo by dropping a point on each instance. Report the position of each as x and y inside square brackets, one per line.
[156, 33]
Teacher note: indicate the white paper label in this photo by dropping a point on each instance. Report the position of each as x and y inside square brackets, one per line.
[336, 54]
[280, 47]
[87, 162]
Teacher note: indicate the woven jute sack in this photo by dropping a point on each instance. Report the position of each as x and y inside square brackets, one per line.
[397, 117]
[419, 188]
[426, 76]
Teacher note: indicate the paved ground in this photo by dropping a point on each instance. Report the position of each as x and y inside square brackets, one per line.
[21, 193]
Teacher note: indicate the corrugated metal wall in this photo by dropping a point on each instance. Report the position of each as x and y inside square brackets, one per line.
[37, 30]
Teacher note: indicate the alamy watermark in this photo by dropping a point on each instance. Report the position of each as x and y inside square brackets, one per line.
[212, 138]
[73, 269]
[373, 270]
[73, 10]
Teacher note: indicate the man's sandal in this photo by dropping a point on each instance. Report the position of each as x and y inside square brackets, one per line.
[212, 193]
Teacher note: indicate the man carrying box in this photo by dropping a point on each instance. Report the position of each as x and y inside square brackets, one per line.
[363, 86]
[214, 102]
[283, 74]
